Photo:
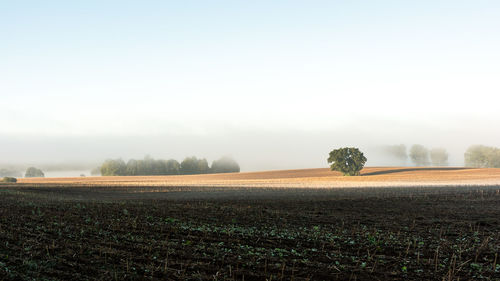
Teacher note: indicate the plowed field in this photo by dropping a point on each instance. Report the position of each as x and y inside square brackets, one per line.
[389, 224]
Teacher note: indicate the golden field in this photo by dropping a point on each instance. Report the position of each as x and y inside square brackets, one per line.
[322, 177]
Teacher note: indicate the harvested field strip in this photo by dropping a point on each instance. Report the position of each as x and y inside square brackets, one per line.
[372, 176]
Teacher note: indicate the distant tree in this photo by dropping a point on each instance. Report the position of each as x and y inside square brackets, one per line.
[476, 156]
[141, 168]
[115, 167]
[33, 172]
[159, 167]
[132, 168]
[189, 166]
[348, 160]
[439, 157]
[225, 165]
[173, 167]
[481, 156]
[494, 158]
[398, 152]
[203, 167]
[419, 155]
[147, 165]
[9, 179]
[193, 165]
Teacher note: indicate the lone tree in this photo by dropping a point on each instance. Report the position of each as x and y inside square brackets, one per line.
[419, 155]
[347, 160]
[33, 172]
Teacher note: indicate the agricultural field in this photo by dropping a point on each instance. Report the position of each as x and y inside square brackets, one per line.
[371, 176]
[387, 224]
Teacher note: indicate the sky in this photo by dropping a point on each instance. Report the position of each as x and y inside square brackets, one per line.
[275, 84]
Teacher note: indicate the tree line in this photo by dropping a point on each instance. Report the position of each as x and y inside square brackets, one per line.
[479, 156]
[150, 167]
[31, 172]
[419, 154]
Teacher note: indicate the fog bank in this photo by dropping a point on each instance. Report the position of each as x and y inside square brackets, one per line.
[253, 149]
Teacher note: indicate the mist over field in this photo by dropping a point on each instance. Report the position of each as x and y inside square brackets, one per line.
[254, 150]
[275, 85]
[250, 140]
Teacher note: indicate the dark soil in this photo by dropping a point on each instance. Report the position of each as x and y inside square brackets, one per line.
[103, 233]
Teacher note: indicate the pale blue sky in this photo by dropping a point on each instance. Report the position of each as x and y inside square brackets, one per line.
[381, 71]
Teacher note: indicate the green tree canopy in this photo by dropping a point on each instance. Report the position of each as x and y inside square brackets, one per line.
[9, 179]
[33, 172]
[419, 155]
[150, 166]
[202, 166]
[132, 168]
[348, 160]
[398, 152]
[481, 156]
[189, 166]
[439, 157]
[116, 167]
[173, 167]
[225, 165]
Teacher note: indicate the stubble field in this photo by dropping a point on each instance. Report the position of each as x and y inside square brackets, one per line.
[323, 177]
[388, 224]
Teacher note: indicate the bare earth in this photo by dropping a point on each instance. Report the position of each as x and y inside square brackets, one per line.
[323, 177]
[391, 223]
